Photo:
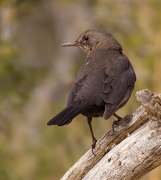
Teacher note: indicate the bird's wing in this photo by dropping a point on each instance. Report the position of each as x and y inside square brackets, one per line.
[76, 90]
[117, 87]
[74, 106]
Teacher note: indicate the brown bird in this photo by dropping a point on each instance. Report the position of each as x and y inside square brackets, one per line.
[104, 82]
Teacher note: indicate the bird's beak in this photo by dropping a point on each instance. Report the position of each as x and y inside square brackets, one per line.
[71, 43]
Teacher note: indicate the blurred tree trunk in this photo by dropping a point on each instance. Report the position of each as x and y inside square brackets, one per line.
[131, 151]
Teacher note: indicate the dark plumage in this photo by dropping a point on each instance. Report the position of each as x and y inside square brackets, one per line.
[104, 82]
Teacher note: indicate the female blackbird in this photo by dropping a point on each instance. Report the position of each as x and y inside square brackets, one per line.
[104, 82]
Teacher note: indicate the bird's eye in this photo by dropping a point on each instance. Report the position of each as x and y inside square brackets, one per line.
[86, 38]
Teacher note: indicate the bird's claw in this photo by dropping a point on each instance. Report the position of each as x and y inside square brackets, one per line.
[115, 122]
[93, 146]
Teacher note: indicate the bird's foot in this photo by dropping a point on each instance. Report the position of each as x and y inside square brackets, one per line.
[115, 122]
[93, 145]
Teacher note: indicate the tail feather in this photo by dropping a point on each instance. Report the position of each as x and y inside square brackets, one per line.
[66, 116]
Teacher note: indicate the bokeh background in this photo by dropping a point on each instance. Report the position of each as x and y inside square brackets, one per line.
[36, 76]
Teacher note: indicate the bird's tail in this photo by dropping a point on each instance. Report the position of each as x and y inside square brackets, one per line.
[66, 116]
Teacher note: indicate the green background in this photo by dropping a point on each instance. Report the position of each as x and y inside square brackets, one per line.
[36, 76]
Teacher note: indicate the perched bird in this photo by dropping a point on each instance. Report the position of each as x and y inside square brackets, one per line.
[104, 82]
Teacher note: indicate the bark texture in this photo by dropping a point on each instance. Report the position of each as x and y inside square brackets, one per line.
[131, 151]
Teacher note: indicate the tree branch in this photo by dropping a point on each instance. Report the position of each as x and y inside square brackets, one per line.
[131, 151]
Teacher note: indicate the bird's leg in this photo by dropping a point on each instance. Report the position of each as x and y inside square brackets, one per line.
[118, 117]
[89, 119]
[115, 122]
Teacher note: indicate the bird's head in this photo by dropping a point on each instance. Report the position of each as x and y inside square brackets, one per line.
[94, 38]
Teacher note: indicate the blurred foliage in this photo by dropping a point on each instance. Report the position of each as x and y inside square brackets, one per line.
[15, 78]
[36, 76]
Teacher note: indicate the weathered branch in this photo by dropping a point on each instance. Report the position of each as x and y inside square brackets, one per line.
[131, 151]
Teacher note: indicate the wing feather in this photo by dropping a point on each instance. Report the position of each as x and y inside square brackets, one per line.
[117, 89]
[76, 90]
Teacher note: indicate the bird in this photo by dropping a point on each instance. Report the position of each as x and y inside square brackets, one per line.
[104, 82]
